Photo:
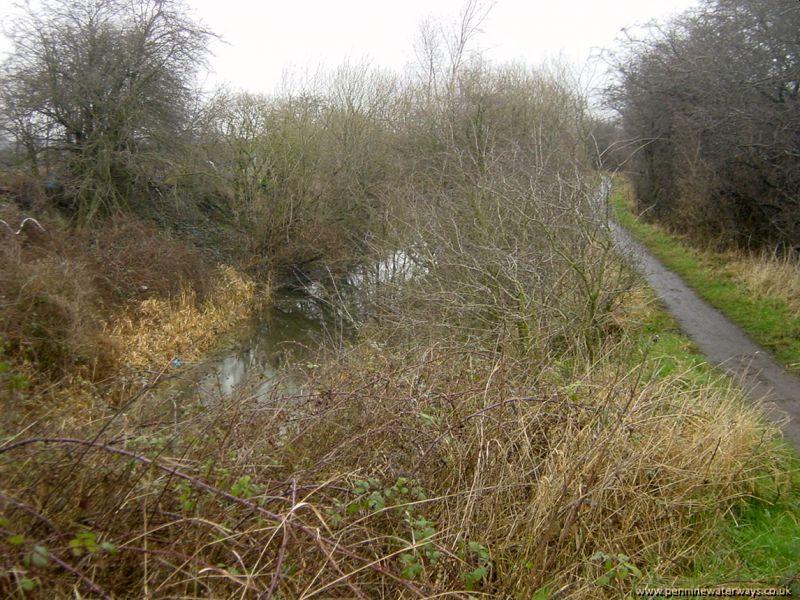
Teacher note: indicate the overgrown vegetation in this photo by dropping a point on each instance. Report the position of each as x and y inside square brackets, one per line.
[710, 116]
[511, 419]
[759, 542]
[756, 542]
[404, 471]
[758, 291]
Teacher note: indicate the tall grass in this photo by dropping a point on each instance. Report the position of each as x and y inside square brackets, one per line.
[489, 433]
[408, 472]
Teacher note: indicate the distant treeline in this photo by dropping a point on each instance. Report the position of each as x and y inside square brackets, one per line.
[99, 105]
[710, 119]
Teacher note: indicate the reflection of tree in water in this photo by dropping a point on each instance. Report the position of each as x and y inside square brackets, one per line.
[299, 320]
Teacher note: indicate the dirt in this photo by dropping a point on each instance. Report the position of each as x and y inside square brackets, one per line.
[722, 342]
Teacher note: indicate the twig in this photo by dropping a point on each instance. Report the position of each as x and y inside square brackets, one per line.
[88, 582]
[276, 575]
[22, 225]
[486, 409]
[201, 485]
[25, 508]
[64, 565]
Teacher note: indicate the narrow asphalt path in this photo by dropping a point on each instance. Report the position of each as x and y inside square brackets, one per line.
[722, 342]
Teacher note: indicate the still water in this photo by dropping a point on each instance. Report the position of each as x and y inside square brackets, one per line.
[302, 315]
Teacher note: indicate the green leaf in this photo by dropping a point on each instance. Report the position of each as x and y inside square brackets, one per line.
[26, 585]
[480, 550]
[428, 420]
[479, 573]
[603, 580]
[376, 501]
[39, 556]
[472, 578]
[541, 594]
[597, 556]
[433, 556]
[412, 571]
[86, 541]
[108, 548]
[406, 558]
[15, 540]
[243, 487]
[18, 382]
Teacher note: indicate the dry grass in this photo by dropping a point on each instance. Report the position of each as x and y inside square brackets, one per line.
[159, 329]
[81, 311]
[49, 310]
[409, 473]
[770, 275]
[78, 311]
[486, 438]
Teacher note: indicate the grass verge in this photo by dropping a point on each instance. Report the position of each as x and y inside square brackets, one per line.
[741, 287]
[757, 542]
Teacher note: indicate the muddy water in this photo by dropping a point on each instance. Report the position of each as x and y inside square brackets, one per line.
[293, 326]
[304, 313]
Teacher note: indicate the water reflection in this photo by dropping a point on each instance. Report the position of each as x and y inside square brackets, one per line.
[300, 318]
[283, 335]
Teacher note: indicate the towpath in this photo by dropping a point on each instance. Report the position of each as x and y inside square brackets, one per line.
[722, 342]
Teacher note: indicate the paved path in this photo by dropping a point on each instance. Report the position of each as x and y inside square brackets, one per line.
[722, 342]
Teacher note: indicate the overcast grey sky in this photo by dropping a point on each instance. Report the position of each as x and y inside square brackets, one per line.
[263, 38]
[269, 36]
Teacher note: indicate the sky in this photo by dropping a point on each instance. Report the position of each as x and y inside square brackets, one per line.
[266, 38]
[263, 39]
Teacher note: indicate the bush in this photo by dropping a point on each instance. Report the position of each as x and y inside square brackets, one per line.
[712, 97]
[63, 288]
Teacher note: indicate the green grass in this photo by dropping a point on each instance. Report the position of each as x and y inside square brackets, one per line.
[673, 352]
[759, 541]
[766, 320]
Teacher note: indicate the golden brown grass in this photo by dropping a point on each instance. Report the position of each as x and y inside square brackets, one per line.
[123, 295]
[157, 330]
[771, 275]
[84, 315]
[418, 472]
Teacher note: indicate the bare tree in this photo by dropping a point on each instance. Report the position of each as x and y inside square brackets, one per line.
[98, 90]
[713, 98]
